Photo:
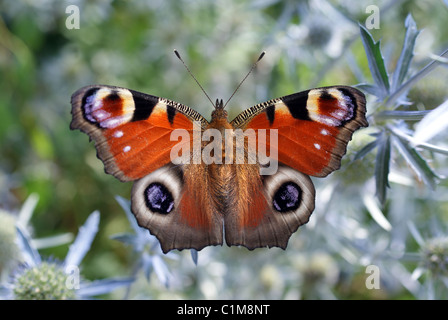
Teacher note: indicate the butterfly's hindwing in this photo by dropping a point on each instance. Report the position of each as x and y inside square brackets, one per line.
[289, 201]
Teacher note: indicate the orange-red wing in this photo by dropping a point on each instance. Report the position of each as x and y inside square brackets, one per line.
[131, 130]
[313, 127]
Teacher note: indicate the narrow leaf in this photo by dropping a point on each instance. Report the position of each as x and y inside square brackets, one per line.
[126, 205]
[407, 53]
[414, 143]
[83, 240]
[125, 237]
[415, 233]
[370, 89]
[438, 58]
[365, 150]
[376, 61]
[433, 148]
[382, 167]
[161, 270]
[434, 123]
[414, 79]
[147, 264]
[417, 163]
[402, 115]
[375, 212]
[52, 241]
[28, 208]
[102, 286]
[29, 253]
[194, 256]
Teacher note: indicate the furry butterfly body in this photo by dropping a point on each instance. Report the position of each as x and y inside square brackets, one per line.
[188, 204]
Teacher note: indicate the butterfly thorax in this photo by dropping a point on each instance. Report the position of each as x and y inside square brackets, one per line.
[219, 113]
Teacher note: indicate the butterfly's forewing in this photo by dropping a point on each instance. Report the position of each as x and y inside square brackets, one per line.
[131, 130]
[314, 126]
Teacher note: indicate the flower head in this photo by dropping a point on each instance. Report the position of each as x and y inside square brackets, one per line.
[46, 281]
[38, 279]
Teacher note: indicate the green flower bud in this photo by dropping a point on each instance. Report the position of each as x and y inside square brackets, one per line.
[47, 281]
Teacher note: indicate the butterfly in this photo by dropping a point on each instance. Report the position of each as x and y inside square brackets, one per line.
[194, 204]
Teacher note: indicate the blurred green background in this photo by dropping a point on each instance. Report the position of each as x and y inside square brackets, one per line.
[130, 44]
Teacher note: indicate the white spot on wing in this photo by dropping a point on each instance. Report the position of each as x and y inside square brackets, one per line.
[317, 146]
[324, 132]
[118, 134]
[127, 149]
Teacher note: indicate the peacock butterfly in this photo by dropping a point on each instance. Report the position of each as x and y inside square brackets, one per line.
[189, 202]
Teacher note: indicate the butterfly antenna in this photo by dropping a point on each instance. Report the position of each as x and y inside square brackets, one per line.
[251, 69]
[191, 74]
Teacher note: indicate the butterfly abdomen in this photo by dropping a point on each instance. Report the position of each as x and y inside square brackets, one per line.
[222, 186]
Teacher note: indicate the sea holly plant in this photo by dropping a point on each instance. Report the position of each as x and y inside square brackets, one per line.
[47, 279]
[396, 136]
[432, 258]
[150, 257]
[10, 255]
[146, 246]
